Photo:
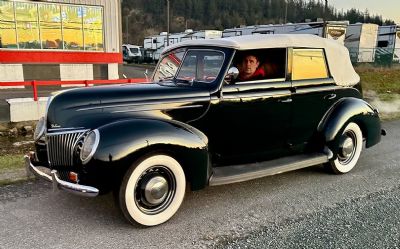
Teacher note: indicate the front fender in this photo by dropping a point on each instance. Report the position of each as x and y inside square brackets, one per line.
[123, 142]
[348, 110]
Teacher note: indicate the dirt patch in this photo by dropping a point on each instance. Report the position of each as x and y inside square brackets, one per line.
[16, 145]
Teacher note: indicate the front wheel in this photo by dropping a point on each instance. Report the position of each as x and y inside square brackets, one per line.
[152, 190]
[349, 150]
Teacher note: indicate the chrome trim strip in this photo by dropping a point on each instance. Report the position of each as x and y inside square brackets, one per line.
[152, 109]
[53, 177]
[260, 81]
[148, 102]
[65, 129]
[312, 82]
[66, 132]
[316, 89]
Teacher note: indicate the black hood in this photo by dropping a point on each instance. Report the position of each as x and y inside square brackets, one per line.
[95, 106]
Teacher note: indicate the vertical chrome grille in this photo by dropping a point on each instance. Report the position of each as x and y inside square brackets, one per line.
[60, 146]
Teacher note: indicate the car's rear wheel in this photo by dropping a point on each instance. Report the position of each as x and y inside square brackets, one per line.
[152, 190]
[350, 147]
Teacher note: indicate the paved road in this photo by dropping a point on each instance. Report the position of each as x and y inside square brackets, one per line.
[130, 71]
[305, 208]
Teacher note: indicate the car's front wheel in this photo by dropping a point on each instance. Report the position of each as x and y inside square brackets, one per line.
[152, 190]
[350, 147]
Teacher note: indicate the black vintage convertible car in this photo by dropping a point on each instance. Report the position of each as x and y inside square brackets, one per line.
[198, 125]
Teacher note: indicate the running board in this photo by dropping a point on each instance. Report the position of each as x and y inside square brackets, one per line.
[245, 172]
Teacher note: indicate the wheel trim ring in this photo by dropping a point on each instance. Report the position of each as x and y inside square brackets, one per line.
[139, 195]
[345, 160]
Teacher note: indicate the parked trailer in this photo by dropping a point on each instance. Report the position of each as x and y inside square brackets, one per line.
[154, 45]
[335, 30]
[361, 40]
[388, 47]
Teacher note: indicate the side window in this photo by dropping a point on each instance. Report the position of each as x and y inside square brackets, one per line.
[261, 64]
[309, 64]
[201, 65]
[169, 65]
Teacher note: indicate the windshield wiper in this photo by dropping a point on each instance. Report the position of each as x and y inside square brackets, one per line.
[184, 82]
[166, 78]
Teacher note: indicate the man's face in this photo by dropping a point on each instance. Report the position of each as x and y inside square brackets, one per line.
[249, 65]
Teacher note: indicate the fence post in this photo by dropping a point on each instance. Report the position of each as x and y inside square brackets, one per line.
[35, 94]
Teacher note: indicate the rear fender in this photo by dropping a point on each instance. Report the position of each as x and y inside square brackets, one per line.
[348, 110]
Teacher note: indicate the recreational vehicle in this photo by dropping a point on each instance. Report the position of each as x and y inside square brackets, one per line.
[335, 30]
[388, 47]
[361, 40]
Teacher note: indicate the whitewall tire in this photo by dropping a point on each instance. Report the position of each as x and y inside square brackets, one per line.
[349, 150]
[152, 190]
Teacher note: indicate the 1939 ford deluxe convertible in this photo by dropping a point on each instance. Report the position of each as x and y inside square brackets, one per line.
[198, 125]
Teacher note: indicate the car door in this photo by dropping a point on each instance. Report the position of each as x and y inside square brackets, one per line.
[313, 94]
[250, 122]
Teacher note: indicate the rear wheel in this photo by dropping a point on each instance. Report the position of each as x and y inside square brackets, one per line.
[152, 190]
[349, 150]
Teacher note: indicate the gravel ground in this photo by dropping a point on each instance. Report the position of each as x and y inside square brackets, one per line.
[371, 221]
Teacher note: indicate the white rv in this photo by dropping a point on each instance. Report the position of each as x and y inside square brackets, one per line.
[156, 44]
[388, 43]
[131, 53]
[335, 30]
[361, 40]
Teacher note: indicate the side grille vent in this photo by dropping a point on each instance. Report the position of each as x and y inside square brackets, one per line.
[60, 146]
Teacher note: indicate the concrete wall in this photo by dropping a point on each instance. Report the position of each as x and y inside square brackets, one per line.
[26, 109]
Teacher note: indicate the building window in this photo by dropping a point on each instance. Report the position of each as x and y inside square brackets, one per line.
[51, 26]
[8, 37]
[27, 25]
[93, 29]
[309, 64]
[72, 27]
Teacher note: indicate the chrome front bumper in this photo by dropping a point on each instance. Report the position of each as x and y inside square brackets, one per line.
[52, 176]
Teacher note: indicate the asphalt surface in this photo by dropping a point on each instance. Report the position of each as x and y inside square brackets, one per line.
[305, 208]
[129, 70]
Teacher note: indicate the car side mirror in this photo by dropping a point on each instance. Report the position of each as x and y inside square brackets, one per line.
[146, 74]
[232, 74]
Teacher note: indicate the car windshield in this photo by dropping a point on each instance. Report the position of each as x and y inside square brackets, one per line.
[134, 50]
[198, 65]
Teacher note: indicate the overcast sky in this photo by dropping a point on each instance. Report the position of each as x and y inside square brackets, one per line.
[389, 9]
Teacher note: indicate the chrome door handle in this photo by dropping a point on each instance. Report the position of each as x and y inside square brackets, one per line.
[285, 100]
[330, 96]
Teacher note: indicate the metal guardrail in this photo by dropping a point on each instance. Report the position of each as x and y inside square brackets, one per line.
[86, 83]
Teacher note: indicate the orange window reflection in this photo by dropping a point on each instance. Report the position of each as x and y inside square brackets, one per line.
[93, 28]
[50, 26]
[72, 27]
[27, 25]
[8, 37]
[309, 64]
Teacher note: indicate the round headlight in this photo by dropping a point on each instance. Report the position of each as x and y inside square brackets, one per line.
[40, 128]
[89, 146]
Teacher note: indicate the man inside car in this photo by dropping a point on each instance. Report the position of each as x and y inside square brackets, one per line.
[249, 68]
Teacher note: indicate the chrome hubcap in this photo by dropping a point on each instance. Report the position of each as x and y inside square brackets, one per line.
[156, 190]
[347, 147]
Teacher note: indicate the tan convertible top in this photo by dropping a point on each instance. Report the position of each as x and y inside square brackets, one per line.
[337, 55]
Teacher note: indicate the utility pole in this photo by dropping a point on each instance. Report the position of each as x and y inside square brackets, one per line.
[167, 22]
[127, 29]
[286, 2]
[325, 35]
